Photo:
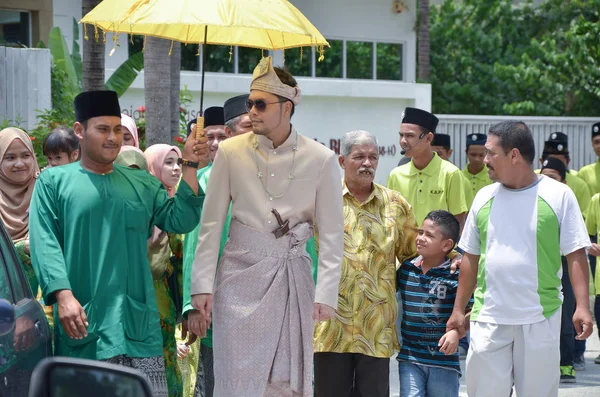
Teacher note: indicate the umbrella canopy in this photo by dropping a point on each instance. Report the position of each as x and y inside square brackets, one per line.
[265, 24]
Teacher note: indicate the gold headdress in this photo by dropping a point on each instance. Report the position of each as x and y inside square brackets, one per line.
[265, 79]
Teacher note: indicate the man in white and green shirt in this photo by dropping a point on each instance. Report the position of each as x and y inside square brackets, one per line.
[513, 239]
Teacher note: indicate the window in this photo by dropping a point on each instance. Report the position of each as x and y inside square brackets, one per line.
[15, 28]
[389, 61]
[217, 59]
[190, 60]
[331, 66]
[299, 61]
[248, 58]
[359, 60]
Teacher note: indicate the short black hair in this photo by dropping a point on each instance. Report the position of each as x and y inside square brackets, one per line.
[286, 78]
[448, 224]
[514, 134]
[59, 140]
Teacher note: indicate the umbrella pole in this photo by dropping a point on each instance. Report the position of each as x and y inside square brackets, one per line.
[200, 120]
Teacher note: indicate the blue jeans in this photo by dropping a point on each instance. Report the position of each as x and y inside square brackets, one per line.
[421, 381]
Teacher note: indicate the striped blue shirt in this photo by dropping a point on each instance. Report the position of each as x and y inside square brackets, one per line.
[428, 300]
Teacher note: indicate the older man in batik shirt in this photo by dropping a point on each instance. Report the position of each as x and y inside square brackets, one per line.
[352, 351]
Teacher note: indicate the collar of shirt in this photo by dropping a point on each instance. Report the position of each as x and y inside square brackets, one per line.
[416, 262]
[480, 175]
[267, 144]
[432, 169]
[375, 193]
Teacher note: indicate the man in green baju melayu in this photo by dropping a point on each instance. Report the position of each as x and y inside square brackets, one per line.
[89, 225]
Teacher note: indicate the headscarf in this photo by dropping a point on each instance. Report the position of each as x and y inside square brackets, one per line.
[16, 197]
[129, 123]
[158, 245]
[156, 155]
[130, 155]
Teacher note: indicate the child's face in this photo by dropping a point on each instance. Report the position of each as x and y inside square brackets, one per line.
[61, 158]
[430, 241]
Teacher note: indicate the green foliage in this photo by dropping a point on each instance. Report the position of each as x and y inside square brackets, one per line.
[62, 59]
[494, 57]
[125, 74]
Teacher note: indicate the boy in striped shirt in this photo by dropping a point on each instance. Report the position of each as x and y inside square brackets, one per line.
[428, 361]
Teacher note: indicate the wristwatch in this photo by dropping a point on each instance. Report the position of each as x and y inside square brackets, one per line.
[187, 163]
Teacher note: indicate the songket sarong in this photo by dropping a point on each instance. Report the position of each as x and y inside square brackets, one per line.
[262, 314]
[153, 368]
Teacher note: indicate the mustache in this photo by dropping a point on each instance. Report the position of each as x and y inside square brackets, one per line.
[367, 169]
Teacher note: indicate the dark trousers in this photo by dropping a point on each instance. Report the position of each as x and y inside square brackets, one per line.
[351, 375]
[567, 330]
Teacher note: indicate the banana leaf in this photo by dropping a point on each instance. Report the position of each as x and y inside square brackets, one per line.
[125, 74]
[76, 53]
[61, 57]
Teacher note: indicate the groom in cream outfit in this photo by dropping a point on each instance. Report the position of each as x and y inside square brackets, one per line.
[282, 186]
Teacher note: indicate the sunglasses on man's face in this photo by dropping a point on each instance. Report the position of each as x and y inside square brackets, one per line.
[260, 104]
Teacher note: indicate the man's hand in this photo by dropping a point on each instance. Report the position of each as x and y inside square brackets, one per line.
[184, 332]
[322, 312]
[457, 322]
[197, 150]
[582, 319]
[203, 304]
[449, 342]
[455, 263]
[595, 250]
[71, 315]
[197, 325]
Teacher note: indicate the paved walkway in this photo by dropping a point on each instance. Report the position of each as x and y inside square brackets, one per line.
[588, 381]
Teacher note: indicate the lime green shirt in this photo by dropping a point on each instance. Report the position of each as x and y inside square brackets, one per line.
[438, 186]
[477, 181]
[592, 222]
[591, 175]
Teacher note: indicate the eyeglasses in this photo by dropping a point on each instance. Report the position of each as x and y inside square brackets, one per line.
[260, 104]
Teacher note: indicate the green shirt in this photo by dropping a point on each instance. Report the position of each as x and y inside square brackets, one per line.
[477, 181]
[438, 186]
[591, 175]
[592, 223]
[190, 242]
[88, 233]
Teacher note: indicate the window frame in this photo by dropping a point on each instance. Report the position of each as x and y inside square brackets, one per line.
[29, 25]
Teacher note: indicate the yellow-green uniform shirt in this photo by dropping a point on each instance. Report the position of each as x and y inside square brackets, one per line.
[439, 186]
[477, 181]
[579, 188]
[592, 222]
[377, 232]
[591, 175]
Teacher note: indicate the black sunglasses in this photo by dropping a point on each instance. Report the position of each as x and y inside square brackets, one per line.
[260, 104]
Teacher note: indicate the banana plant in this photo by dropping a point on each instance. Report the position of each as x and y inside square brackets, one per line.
[71, 64]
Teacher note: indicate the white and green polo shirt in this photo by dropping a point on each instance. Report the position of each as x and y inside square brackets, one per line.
[520, 235]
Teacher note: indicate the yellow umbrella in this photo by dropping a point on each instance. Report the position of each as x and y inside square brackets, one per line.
[263, 24]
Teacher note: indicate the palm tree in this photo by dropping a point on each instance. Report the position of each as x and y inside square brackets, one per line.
[157, 91]
[93, 54]
[423, 41]
[175, 87]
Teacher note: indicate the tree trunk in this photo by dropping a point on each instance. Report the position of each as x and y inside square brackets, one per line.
[93, 54]
[157, 91]
[423, 59]
[175, 88]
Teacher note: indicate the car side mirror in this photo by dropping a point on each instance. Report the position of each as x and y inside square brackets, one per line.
[7, 317]
[65, 376]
